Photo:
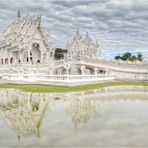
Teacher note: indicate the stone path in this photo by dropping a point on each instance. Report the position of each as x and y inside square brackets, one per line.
[51, 83]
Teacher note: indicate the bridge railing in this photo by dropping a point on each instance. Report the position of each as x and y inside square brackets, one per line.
[65, 78]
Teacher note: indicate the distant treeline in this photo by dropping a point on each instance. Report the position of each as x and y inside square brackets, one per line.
[130, 57]
[127, 56]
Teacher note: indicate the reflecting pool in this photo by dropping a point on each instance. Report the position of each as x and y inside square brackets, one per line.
[108, 117]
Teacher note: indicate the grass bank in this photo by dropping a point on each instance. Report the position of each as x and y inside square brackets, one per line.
[46, 88]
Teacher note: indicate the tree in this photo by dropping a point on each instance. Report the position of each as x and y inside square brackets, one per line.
[117, 57]
[133, 58]
[127, 56]
[139, 57]
[59, 53]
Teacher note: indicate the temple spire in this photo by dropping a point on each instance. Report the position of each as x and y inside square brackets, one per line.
[77, 32]
[87, 38]
[87, 35]
[18, 14]
[39, 21]
[78, 36]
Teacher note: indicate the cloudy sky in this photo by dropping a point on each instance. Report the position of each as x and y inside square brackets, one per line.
[118, 25]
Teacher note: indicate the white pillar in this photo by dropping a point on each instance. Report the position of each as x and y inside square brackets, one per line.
[83, 70]
[95, 71]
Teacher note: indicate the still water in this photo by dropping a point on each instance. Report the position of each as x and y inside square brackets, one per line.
[109, 117]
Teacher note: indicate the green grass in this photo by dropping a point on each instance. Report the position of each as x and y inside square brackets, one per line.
[46, 88]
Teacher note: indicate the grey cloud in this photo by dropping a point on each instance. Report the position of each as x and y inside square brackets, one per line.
[74, 3]
[116, 24]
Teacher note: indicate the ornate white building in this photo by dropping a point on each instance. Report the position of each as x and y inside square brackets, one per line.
[26, 53]
[25, 42]
[82, 48]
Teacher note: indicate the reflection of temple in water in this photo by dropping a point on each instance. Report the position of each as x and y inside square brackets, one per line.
[81, 106]
[23, 112]
[80, 110]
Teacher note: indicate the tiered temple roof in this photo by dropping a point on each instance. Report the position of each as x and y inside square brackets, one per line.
[21, 32]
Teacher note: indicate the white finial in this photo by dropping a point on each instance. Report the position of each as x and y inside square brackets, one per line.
[77, 32]
[18, 14]
[77, 36]
[39, 20]
[87, 36]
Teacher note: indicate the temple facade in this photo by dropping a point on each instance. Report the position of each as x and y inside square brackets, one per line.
[81, 47]
[25, 42]
[27, 54]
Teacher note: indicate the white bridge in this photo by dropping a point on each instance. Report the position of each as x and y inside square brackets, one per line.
[75, 71]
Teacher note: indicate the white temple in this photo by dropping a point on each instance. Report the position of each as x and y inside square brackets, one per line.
[25, 42]
[81, 48]
[27, 54]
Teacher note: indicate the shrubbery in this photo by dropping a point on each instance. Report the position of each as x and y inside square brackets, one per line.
[59, 53]
[129, 57]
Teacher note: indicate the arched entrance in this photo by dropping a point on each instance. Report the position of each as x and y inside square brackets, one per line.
[35, 54]
[59, 71]
[6, 61]
[75, 71]
[63, 72]
[89, 71]
[101, 71]
[2, 61]
[11, 61]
